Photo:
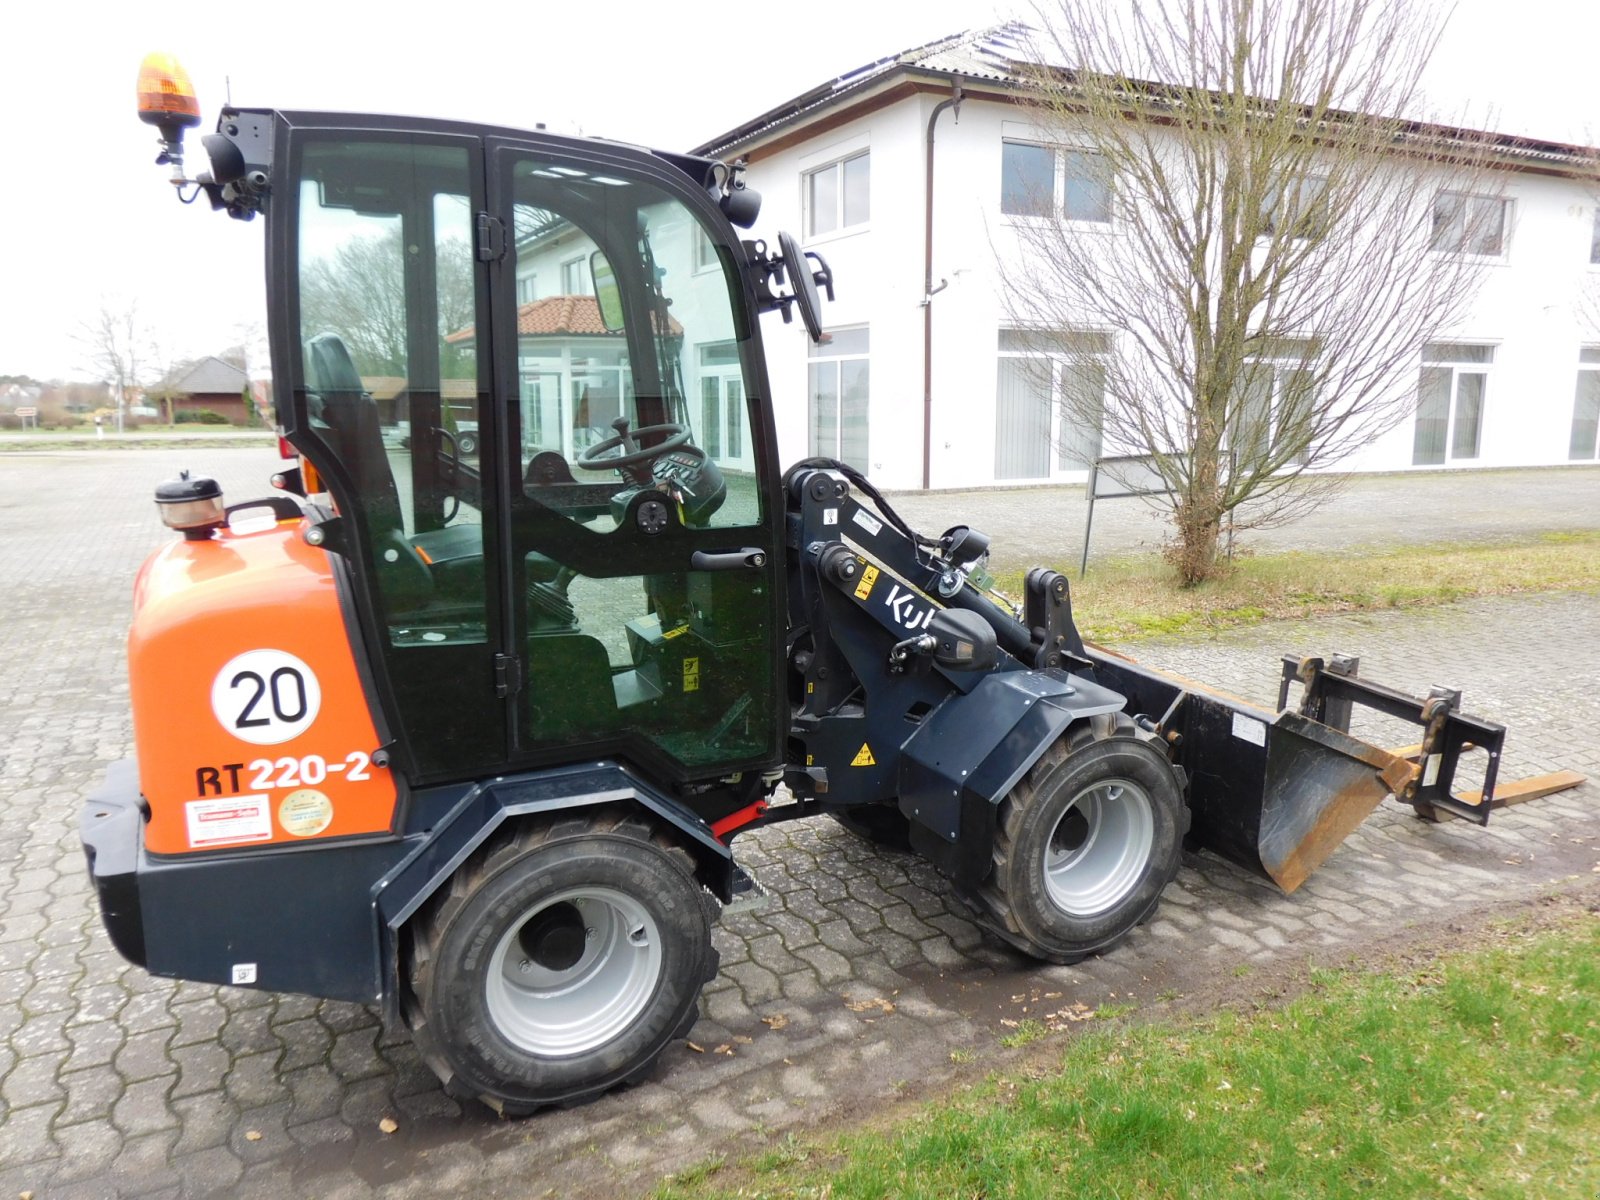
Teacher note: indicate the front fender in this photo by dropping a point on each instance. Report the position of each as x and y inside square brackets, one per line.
[971, 750]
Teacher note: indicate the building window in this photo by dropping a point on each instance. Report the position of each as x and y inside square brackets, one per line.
[1594, 237]
[838, 196]
[1047, 385]
[705, 250]
[1466, 224]
[1276, 411]
[1298, 205]
[1040, 181]
[839, 379]
[527, 288]
[1586, 405]
[1450, 399]
[575, 278]
[722, 408]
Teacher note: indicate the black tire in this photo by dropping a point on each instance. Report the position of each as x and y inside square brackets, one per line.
[1085, 843]
[468, 443]
[559, 962]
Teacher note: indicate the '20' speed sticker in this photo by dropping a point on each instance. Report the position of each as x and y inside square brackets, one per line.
[266, 697]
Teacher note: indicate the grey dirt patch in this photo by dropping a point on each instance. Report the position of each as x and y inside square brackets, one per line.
[863, 981]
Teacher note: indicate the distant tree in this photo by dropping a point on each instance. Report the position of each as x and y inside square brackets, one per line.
[1258, 240]
[116, 346]
[358, 292]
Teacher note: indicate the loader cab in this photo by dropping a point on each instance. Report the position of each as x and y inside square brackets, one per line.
[527, 370]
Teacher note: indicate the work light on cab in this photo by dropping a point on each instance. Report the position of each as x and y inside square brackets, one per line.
[167, 101]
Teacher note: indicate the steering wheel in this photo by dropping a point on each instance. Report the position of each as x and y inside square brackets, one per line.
[596, 458]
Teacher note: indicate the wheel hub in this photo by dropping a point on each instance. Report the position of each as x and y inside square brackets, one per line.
[554, 937]
[574, 971]
[1099, 849]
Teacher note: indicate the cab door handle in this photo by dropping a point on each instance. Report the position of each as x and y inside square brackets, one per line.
[751, 558]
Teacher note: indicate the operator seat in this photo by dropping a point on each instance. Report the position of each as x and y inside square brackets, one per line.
[344, 413]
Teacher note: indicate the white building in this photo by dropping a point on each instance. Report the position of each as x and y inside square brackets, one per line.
[902, 192]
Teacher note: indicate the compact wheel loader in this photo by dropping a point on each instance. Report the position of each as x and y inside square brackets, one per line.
[466, 730]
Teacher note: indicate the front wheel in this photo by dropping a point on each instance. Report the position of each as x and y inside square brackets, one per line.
[560, 962]
[1085, 843]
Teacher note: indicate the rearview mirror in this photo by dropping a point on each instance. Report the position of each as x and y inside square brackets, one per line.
[606, 292]
[802, 284]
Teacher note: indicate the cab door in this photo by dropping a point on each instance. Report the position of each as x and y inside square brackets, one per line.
[643, 553]
[377, 290]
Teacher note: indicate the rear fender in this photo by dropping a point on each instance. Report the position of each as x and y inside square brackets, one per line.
[487, 806]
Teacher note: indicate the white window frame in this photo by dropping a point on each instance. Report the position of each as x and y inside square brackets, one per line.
[1436, 356]
[1303, 211]
[1588, 376]
[1058, 362]
[840, 226]
[1594, 239]
[1299, 355]
[822, 355]
[705, 251]
[527, 288]
[1507, 210]
[1058, 193]
[578, 268]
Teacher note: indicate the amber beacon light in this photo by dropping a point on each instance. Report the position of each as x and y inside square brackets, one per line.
[167, 101]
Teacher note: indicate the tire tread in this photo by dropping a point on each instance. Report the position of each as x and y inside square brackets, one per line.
[992, 898]
[507, 845]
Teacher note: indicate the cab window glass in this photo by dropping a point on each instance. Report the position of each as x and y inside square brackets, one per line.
[386, 297]
[669, 367]
[636, 452]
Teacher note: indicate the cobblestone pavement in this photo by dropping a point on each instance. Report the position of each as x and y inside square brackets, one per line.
[861, 978]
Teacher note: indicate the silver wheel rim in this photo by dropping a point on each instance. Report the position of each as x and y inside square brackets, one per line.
[1097, 851]
[546, 1005]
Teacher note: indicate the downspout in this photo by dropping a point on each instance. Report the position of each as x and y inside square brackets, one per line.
[928, 291]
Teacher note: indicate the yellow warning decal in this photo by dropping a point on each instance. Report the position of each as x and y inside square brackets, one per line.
[691, 674]
[672, 633]
[864, 757]
[868, 578]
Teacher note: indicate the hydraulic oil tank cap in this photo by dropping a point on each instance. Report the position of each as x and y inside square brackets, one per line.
[192, 506]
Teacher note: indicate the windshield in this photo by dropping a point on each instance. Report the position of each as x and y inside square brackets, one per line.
[626, 309]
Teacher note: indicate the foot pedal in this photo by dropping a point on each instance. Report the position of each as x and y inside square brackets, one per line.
[748, 895]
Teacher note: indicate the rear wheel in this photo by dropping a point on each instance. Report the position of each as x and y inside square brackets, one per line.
[560, 962]
[1085, 843]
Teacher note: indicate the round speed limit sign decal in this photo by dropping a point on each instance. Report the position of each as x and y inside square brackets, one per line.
[266, 697]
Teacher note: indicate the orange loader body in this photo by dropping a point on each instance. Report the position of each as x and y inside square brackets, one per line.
[249, 717]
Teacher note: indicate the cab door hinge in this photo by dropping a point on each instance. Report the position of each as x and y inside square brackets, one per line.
[507, 675]
[491, 238]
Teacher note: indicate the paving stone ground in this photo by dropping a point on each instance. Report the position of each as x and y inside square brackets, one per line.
[861, 978]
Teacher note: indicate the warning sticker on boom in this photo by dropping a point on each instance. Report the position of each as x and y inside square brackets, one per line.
[869, 576]
[864, 757]
[867, 521]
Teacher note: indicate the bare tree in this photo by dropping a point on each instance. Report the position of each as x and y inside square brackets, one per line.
[1257, 238]
[359, 293]
[116, 346]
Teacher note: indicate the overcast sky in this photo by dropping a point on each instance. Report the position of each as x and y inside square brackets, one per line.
[84, 213]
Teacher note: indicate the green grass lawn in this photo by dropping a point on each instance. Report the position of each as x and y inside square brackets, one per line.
[1137, 597]
[1478, 1076]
